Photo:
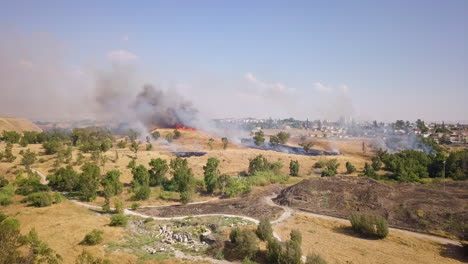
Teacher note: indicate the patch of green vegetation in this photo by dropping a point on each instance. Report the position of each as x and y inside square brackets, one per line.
[135, 243]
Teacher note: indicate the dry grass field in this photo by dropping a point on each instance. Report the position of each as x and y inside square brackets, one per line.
[336, 244]
[17, 124]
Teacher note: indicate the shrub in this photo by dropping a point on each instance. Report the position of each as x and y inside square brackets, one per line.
[5, 199]
[259, 138]
[118, 220]
[135, 206]
[369, 226]
[93, 238]
[87, 258]
[121, 144]
[292, 253]
[119, 206]
[315, 259]
[294, 168]
[296, 236]
[319, 164]
[236, 186]
[350, 168]
[370, 172]
[264, 230]
[40, 199]
[260, 163]
[6, 192]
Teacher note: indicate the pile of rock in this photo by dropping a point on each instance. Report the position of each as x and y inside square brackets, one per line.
[169, 237]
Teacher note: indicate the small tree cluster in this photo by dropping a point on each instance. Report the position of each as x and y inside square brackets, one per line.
[245, 243]
[260, 163]
[331, 168]
[225, 142]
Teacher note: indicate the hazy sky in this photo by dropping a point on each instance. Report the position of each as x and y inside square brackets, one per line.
[382, 60]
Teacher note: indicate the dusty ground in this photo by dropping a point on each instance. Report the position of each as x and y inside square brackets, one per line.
[422, 207]
[336, 244]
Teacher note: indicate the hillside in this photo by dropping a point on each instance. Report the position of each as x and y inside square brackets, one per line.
[17, 124]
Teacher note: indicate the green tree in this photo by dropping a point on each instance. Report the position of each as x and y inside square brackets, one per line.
[10, 136]
[211, 174]
[169, 137]
[64, 179]
[111, 184]
[264, 230]
[89, 181]
[245, 243]
[274, 140]
[294, 168]
[376, 163]
[306, 146]
[29, 158]
[274, 251]
[140, 183]
[157, 172]
[52, 146]
[7, 155]
[182, 178]
[370, 172]
[259, 138]
[283, 137]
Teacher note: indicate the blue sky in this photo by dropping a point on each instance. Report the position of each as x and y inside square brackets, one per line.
[382, 60]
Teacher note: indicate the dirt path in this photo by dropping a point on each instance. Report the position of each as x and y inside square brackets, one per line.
[43, 177]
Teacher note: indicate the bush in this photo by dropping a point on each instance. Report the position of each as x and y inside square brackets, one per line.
[118, 220]
[6, 192]
[236, 186]
[93, 238]
[319, 164]
[370, 172]
[264, 230]
[315, 259]
[369, 226]
[40, 199]
[331, 168]
[350, 168]
[119, 206]
[260, 163]
[294, 168]
[135, 206]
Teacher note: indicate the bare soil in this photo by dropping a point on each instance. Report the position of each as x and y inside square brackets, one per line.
[430, 208]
